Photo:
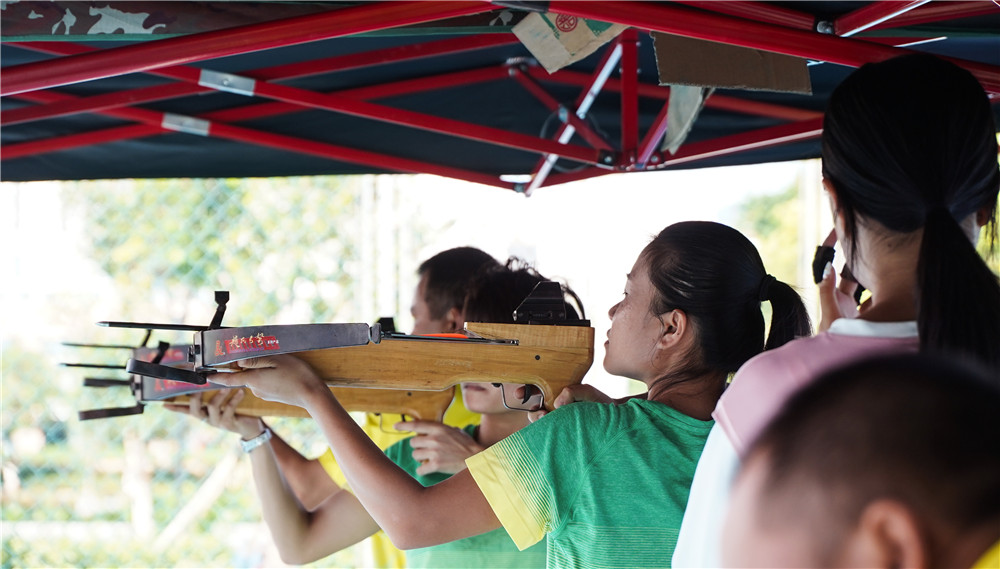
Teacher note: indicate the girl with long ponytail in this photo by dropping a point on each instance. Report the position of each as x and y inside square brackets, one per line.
[910, 159]
[910, 167]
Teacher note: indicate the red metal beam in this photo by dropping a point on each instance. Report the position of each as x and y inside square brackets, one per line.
[583, 174]
[758, 11]
[232, 41]
[35, 147]
[663, 93]
[152, 122]
[753, 140]
[903, 41]
[146, 128]
[939, 12]
[693, 152]
[369, 92]
[591, 88]
[142, 95]
[630, 97]
[427, 83]
[652, 139]
[310, 68]
[761, 109]
[382, 113]
[225, 115]
[871, 15]
[421, 121]
[667, 18]
[352, 155]
[397, 54]
[582, 128]
[926, 13]
[96, 103]
[277, 72]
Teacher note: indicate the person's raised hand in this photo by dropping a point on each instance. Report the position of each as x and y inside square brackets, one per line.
[438, 447]
[836, 300]
[572, 394]
[220, 411]
[284, 379]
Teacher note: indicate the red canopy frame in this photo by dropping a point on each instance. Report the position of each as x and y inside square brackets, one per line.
[748, 24]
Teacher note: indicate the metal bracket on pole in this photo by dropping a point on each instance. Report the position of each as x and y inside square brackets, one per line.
[183, 123]
[227, 82]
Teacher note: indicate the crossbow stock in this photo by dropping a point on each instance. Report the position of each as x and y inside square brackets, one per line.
[368, 368]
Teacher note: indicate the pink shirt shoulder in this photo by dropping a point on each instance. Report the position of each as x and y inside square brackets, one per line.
[763, 384]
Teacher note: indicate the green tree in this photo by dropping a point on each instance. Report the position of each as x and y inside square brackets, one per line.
[271, 243]
[772, 223]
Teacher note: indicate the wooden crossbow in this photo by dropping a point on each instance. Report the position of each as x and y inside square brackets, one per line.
[370, 369]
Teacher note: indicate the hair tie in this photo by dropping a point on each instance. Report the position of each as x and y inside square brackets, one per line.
[764, 292]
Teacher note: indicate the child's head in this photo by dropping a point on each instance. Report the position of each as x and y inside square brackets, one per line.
[713, 275]
[496, 292]
[887, 462]
[493, 296]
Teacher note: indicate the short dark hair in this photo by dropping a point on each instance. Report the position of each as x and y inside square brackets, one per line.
[910, 143]
[448, 276]
[496, 293]
[917, 429]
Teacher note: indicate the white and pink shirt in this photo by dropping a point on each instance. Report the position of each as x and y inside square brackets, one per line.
[757, 392]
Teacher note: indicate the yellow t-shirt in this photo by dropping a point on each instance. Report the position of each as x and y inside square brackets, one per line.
[990, 559]
[379, 428]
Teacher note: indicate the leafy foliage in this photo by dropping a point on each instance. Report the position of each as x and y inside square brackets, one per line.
[177, 240]
[772, 223]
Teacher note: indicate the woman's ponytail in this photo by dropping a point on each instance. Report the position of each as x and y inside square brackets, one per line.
[910, 143]
[959, 306]
[789, 317]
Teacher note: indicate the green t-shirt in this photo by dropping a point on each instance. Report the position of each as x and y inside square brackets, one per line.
[606, 483]
[491, 550]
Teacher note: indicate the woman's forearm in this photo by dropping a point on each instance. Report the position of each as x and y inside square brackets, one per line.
[302, 536]
[306, 477]
[411, 515]
[284, 515]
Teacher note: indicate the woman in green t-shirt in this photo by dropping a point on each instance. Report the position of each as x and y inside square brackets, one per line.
[429, 457]
[605, 482]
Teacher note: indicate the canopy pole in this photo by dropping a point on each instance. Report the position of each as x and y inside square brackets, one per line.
[647, 148]
[630, 98]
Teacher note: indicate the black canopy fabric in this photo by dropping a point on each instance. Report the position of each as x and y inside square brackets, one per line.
[117, 117]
